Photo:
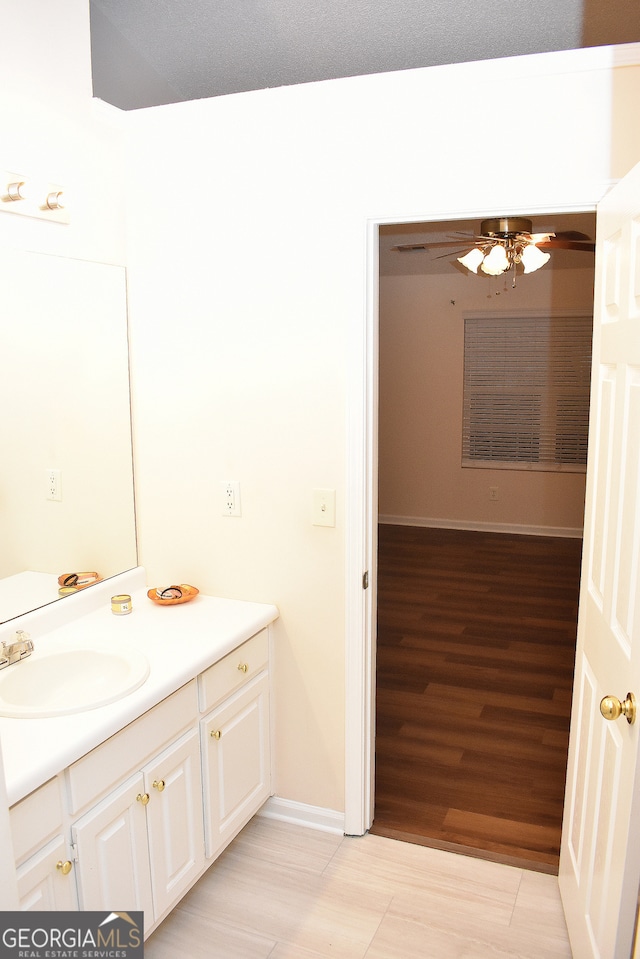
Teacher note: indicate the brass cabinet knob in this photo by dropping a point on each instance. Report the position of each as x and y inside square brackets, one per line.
[611, 708]
[64, 867]
[216, 733]
[158, 784]
[143, 798]
[243, 667]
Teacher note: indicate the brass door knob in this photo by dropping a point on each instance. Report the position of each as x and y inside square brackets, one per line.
[158, 784]
[143, 798]
[611, 708]
[216, 733]
[243, 667]
[64, 867]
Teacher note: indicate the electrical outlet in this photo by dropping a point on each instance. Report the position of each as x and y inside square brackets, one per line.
[230, 490]
[54, 485]
[493, 493]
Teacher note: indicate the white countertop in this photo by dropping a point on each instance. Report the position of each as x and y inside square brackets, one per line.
[26, 590]
[178, 641]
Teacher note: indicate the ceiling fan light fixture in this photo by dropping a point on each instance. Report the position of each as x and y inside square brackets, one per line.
[501, 226]
[472, 259]
[496, 261]
[532, 258]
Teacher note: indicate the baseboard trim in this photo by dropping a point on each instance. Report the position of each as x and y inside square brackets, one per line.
[560, 531]
[301, 814]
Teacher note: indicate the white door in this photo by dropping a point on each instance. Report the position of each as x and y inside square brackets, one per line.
[42, 885]
[236, 763]
[600, 854]
[174, 820]
[113, 854]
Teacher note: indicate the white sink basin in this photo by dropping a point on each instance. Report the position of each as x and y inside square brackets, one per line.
[63, 681]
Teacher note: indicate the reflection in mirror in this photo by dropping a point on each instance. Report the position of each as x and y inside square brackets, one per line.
[66, 475]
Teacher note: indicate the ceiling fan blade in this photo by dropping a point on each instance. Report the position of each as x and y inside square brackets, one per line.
[450, 254]
[409, 247]
[573, 235]
[560, 244]
[564, 240]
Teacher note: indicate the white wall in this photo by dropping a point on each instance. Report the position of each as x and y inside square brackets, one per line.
[51, 129]
[421, 479]
[65, 380]
[248, 290]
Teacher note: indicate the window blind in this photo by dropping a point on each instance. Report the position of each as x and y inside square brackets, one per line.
[526, 391]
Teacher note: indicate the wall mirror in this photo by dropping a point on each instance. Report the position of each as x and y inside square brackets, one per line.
[65, 401]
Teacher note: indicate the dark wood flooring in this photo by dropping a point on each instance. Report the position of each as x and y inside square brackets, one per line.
[476, 646]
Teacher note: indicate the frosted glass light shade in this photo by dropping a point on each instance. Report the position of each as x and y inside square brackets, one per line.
[472, 259]
[495, 262]
[533, 258]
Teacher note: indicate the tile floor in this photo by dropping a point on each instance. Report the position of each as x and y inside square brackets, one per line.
[287, 892]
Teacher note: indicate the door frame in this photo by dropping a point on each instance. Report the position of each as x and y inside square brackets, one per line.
[362, 502]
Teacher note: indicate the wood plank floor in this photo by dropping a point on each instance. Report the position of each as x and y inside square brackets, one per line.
[476, 646]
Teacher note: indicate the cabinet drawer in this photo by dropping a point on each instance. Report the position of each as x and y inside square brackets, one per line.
[35, 819]
[128, 750]
[230, 673]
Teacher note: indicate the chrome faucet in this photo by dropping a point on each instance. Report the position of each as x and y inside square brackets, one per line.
[19, 649]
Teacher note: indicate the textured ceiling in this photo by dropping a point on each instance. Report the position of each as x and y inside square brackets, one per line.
[148, 52]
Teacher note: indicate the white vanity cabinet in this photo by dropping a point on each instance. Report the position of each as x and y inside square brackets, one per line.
[174, 821]
[235, 763]
[132, 824]
[143, 844]
[111, 842]
[234, 694]
[43, 858]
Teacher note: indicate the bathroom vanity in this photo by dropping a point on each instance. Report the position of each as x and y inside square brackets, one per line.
[123, 807]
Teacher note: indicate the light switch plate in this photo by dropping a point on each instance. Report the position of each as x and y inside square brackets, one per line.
[324, 507]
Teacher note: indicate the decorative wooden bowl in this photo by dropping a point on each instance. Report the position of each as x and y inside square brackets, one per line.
[173, 595]
[78, 580]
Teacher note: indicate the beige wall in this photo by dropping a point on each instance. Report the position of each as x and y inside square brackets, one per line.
[420, 424]
[52, 130]
[64, 377]
[248, 300]
[248, 294]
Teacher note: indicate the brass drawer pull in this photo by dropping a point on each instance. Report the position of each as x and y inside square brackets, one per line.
[243, 667]
[158, 784]
[143, 798]
[216, 733]
[64, 867]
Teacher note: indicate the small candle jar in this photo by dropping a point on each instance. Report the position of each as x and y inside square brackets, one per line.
[121, 604]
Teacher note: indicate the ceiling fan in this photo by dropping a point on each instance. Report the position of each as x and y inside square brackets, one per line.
[505, 243]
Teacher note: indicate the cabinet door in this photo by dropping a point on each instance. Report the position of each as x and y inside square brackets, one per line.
[235, 743]
[174, 819]
[113, 855]
[43, 885]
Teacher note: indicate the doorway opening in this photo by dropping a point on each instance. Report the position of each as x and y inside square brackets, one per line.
[478, 569]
